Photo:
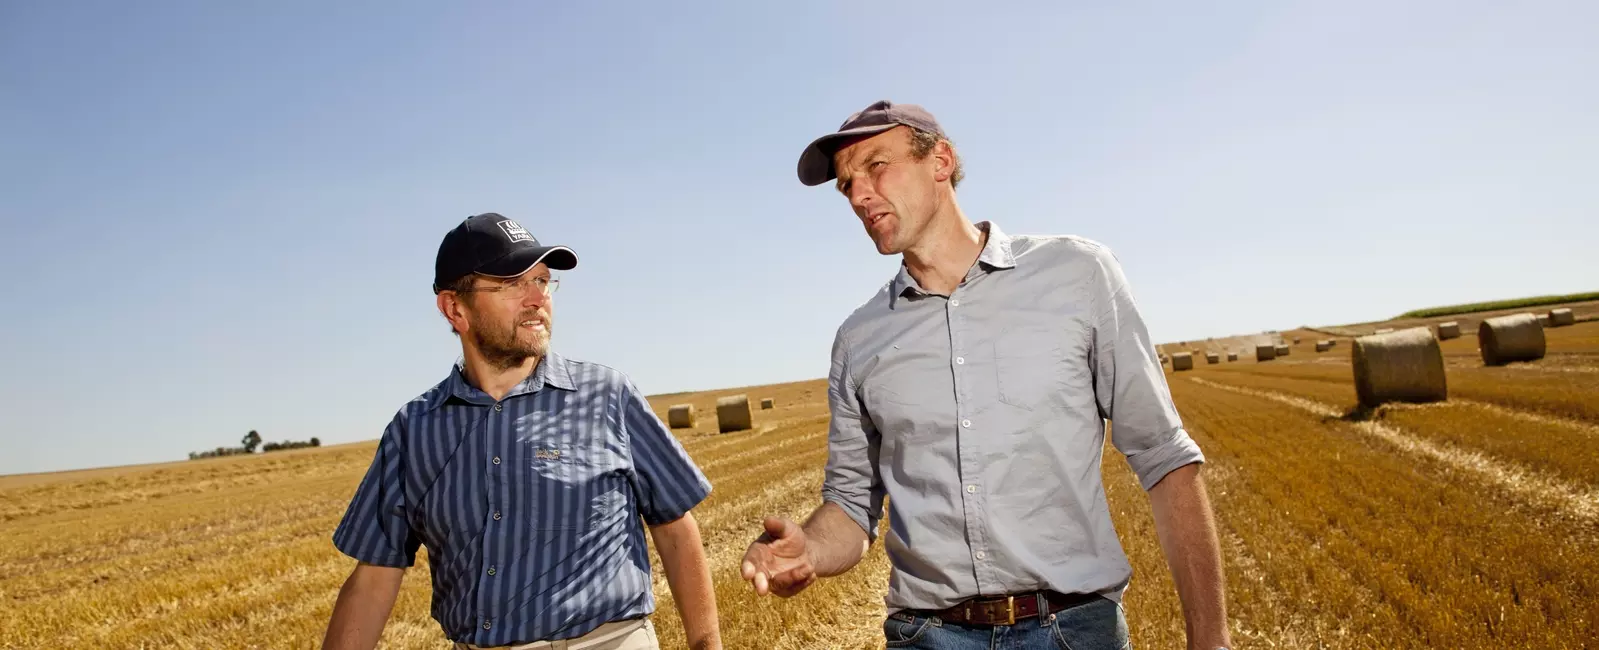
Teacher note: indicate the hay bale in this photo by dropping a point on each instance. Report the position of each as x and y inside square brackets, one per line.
[1517, 337]
[1562, 317]
[733, 413]
[680, 416]
[1232, 356]
[1283, 350]
[1543, 319]
[767, 403]
[1323, 346]
[1182, 361]
[1402, 366]
[1265, 352]
[1449, 330]
[1212, 358]
[1383, 330]
[1296, 340]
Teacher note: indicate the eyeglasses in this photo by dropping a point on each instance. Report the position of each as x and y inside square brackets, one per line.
[520, 287]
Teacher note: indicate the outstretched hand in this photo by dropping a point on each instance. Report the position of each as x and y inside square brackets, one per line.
[777, 562]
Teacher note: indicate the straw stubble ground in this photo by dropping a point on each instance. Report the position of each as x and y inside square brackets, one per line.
[1468, 524]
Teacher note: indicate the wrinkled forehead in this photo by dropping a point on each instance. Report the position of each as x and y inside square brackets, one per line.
[854, 150]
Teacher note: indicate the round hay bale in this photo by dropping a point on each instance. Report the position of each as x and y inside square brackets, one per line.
[1323, 346]
[1283, 350]
[1562, 317]
[1402, 366]
[1182, 361]
[767, 403]
[1517, 337]
[1296, 340]
[1449, 330]
[680, 416]
[1265, 352]
[1232, 356]
[1212, 357]
[733, 413]
[1383, 330]
[1543, 319]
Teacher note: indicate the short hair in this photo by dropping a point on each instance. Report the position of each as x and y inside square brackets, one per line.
[922, 143]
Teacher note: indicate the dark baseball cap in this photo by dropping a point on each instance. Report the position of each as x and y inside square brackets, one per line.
[494, 245]
[816, 162]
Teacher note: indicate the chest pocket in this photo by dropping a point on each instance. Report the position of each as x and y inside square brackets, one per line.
[1029, 367]
[572, 489]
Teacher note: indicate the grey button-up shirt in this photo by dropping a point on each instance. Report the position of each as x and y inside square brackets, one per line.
[981, 416]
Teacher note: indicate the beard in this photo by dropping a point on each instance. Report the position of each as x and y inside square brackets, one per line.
[506, 345]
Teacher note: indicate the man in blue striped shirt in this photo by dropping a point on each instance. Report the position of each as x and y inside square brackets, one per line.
[525, 474]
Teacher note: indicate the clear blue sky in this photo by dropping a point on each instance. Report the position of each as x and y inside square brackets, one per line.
[222, 216]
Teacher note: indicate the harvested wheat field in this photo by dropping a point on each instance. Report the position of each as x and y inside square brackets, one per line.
[1467, 523]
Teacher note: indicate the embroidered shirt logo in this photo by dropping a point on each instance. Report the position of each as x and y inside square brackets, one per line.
[515, 231]
[547, 454]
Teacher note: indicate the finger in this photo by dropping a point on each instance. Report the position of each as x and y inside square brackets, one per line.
[748, 569]
[794, 589]
[761, 586]
[795, 575]
[780, 528]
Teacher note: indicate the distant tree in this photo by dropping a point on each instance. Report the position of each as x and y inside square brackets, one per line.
[316, 442]
[251, 441]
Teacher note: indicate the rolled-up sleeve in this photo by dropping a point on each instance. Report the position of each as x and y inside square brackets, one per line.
[375, 528]
[668, 484]
[1130, 384]
[851, 480]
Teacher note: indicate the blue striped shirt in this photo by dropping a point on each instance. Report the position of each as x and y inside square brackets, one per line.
[529, 506]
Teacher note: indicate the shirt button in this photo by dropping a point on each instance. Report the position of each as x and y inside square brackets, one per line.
[981, 555]
[485, 624]
[964, 423]
[491, 570]
[960, 360]
[496, 460]
[497, 407]
[954, 303]
[496, 516]
[971, 489]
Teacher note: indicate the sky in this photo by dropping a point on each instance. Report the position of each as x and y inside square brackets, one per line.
[221, 217]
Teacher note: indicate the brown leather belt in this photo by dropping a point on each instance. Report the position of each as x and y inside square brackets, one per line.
[1006, 610]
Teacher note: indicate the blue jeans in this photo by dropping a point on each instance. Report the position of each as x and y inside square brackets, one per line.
[1099, 624]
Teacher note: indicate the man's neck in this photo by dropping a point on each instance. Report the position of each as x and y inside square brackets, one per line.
[948, 250]
[494, 380]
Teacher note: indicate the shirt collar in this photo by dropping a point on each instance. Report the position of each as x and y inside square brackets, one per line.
[553, 370]
[996, 254]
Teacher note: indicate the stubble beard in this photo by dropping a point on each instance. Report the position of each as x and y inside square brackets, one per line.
[503, 349]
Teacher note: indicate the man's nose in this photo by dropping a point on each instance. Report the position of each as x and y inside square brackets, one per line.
[534, 298]
[861, 196]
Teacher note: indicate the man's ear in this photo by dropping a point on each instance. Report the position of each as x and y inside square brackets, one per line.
[943, 161]
[453, 310]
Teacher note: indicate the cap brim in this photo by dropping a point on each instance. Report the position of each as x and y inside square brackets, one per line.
[816, 162]
[521, 260]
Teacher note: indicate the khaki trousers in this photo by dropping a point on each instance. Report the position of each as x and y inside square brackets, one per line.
[636, 634]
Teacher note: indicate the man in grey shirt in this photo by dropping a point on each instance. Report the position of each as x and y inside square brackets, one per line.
[973, 391]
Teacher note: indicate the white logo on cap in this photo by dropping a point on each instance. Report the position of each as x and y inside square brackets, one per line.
[515, 231]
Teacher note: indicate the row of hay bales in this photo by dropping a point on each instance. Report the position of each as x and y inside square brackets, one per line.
[732, 414]
[1408, 365]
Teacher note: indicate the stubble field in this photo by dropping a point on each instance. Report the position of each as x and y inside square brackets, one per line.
[1472, 523]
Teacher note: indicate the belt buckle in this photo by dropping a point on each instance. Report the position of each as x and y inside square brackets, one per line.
[988, 610]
